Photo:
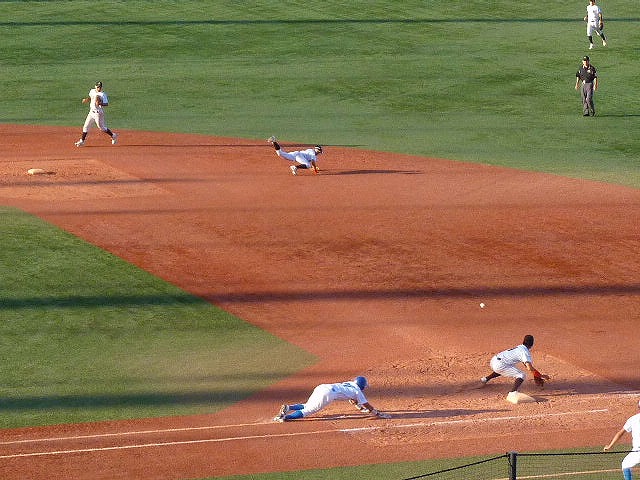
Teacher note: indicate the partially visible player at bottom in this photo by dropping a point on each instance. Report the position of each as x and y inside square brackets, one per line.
[327, 393]
[504, 364]
[632, 426]
[305, 159]
[97, 99]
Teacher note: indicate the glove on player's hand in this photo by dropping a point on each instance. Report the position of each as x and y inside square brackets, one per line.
[539, 378]
[601, 25]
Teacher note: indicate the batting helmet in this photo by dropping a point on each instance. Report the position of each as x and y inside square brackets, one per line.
[361, 382]
[528, 341]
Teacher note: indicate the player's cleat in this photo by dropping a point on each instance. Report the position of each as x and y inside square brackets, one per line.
[294, 170]
[114, 139]
[591, 46]
[79, 143]
[604, 43]
[484, 380]
[271, 139]
[281, 413]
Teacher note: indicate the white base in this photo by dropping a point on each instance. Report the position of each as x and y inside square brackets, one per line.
[517, 397]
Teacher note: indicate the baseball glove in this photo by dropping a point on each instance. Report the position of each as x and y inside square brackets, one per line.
[600, 25]
[539, 378]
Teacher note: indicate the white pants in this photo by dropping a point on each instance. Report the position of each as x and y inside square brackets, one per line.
[321, 396]
[631, 460]
[294, 157]
[592, 28]
[97, 118]
[506, 370]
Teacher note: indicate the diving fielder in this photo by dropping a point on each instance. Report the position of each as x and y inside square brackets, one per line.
[302, 159]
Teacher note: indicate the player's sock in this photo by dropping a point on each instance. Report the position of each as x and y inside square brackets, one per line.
[293, 416]
[516, 384]
[627, 474]
[297, 406]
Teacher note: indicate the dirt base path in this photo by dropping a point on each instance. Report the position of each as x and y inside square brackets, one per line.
[377, 266]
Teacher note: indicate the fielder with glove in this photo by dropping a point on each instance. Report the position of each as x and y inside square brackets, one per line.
[504, 364]
[595, 23]
[302, 159]
[327, 393]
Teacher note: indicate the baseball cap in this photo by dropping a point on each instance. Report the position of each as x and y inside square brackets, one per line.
[98, 84]
[586, 57]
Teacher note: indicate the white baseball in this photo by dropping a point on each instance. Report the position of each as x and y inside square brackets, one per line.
[481, 305]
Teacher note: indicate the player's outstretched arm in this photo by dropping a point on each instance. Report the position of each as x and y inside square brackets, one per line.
[615, 439]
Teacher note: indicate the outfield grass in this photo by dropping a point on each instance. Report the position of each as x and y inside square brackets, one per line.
[86, 336]
[490, 82]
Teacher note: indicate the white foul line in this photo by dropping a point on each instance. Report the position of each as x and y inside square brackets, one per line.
[253, 437]
[123, 434]
[478, 420]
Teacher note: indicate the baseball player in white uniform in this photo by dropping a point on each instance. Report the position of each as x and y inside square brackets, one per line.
[97, 99]
[632, 426]
[504, 364]
[302, 159]
[326, 393]
[595, 23]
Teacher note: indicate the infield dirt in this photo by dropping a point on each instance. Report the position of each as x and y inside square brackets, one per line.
[377, 266]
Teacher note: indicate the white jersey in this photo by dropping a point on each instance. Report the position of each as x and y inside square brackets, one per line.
[515, 355]
[632, 425]
[326, 393]
[593, 14]
[93, 94]
[346, 391]
[303, 157]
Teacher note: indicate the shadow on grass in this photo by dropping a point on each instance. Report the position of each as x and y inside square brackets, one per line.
[141, 400]
[99, 301]
[301, 21]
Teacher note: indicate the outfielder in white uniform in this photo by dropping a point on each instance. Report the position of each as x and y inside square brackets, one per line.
[595, 23]
[302, 158]
[97, 99]
[326, 393]
[504, 364]
[632, 426]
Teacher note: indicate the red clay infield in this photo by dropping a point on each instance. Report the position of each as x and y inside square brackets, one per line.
[377, 266]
